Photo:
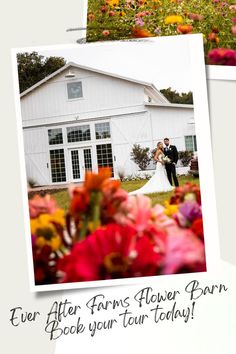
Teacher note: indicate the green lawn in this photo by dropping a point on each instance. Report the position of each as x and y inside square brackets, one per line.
[63, 200]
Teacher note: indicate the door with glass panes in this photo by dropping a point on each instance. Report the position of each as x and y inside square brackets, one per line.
[80, 162]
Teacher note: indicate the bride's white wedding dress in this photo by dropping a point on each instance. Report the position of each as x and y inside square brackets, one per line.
[158, 182]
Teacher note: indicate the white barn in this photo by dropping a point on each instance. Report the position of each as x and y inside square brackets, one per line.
[81, 118]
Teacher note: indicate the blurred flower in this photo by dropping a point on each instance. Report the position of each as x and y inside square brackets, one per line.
[91, 17]
[188, 191]
[184, 252]
[157, 31]
[139, 22]
[195, 17]
[47, 229]
[233, 29]
[44, 268]
[234, 19]
[80, 201]
[213, 37]
[111, 13]
[188, 212]
[184, 29]
[138, 32]
[197, 228]
[94, 181]
[112, 252]
[171, 209]
[106, 33]
[173, 19]
[113, 3]
[222, 56]
[42, 205]
[103, 9]
[232, 7]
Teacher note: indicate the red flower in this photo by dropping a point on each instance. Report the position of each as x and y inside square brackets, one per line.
[79, 202]
[222, 56]
[113, 252]
[197, 228]
[188, 191]
[44, 270]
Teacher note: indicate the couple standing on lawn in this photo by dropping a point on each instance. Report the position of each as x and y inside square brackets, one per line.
[166, 157]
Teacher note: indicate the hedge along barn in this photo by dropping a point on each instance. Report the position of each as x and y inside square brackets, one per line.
[80, 119]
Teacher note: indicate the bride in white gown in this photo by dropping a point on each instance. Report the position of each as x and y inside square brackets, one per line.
[159, 181]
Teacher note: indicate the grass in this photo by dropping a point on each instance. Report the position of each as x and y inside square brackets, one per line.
[157, 198]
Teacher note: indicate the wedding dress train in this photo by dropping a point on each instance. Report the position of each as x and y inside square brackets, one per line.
[157, 184]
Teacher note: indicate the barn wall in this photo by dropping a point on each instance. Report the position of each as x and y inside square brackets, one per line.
[147, 129]
[174, 123]
[36, 155]
[127, 131]
[100, 92]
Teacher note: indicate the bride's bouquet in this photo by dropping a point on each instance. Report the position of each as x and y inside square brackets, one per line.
[166, 159]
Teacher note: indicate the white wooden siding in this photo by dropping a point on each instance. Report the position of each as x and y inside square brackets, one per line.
[36, 155]
[174, 123]
[100, 92]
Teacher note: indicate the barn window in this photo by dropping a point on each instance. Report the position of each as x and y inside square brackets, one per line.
[81, 133]
[190, 143]
[74, 90]
[58, 169]
[104, 156]
[55, 136]
[102, 130]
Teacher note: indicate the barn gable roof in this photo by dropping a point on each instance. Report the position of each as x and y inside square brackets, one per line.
[149, 86]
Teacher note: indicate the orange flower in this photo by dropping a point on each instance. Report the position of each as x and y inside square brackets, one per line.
[184, 29]
[91, 17]
[138, 32]
[94, 182]
[213, 37]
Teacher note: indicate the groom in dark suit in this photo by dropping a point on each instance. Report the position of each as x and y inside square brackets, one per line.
[171, 152]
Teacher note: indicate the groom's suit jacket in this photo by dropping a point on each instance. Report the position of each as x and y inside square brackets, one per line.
[172, 153]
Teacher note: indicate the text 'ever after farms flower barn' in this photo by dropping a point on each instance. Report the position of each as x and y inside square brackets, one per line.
[80, 119]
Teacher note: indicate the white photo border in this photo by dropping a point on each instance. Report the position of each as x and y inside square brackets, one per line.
[202, 125]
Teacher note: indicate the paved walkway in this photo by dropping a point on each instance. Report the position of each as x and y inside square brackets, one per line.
[45, 189]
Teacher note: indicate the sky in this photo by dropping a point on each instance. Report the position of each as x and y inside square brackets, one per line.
[164, 61]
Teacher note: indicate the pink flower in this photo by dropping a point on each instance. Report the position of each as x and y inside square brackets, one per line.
[139, 212]
[222, 56]
[233, 29]
[106, 33]
[233, 7]
[234, 19]
[42, 205]
[139, 22]
[184, 252]
[196, 17]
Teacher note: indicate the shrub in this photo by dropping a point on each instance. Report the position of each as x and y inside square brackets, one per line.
[185, 157]
[140, 156]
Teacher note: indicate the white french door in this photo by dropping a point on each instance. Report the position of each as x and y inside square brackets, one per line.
[80, 162]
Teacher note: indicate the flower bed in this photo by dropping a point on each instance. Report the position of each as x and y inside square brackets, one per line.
[124, 19]
[108, 234]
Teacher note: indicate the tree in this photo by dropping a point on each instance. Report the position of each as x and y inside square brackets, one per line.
[176, 97]
[33, 67]
[141, 156]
